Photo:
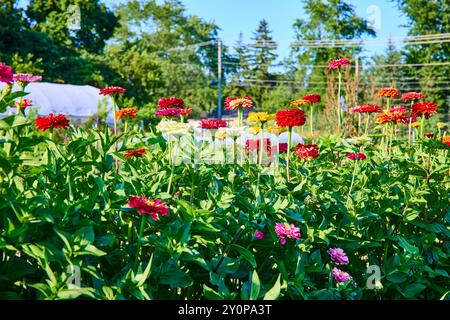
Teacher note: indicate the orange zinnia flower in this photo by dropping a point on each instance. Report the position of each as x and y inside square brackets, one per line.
[135, 153]
[446, 140]
[300, 102]
[127, 112]
[383, 118]
[389, 92]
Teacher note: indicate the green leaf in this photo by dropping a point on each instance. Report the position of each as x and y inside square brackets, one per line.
[245, 253]
[408, 247]
[412, 290]
[211, 294]
[274, 293]
[256, 286]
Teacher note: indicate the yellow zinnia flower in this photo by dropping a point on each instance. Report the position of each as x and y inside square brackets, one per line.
[253, 130]
[260, 117]
[441, 125]
[276, 130]
[416, 124]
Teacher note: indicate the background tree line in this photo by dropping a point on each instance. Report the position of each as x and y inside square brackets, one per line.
[152, 50]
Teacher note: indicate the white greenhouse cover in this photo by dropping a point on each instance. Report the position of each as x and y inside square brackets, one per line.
[68, 99]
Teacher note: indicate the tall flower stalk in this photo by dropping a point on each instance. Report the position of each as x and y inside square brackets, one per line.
[337, 64]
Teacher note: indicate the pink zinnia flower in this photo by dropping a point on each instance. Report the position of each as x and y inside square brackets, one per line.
[109, 91]
[340, 276]
[412, 96]
[366, 108]
[335, 64]
[356, 156]
[398, 109]
[6, 73]
[26, 78]
[284, 231]
[154, 208]
[260, 235]
[338, 256]
[212, 124]
[173, 102]
[305, 151]
[232, 103]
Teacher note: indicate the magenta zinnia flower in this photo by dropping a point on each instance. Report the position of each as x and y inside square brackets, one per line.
[356, 156]
[6, 73]
[284, 231]
[335, 64]
[168, 112]
[154, 208]
[26, 78]
[340, 276]
[260, 235]
[338, 256]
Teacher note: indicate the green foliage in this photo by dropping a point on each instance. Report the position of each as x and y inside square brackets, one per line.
[63, 207]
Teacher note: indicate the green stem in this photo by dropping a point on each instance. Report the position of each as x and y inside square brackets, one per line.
[353, 181]
[288, 155]
[359, 122]
[240, 116]
[311, 121]
[138, 248]
[261, 144]
[339, 102]
[367, 123]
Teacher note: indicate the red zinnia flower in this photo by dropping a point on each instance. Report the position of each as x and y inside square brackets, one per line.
[25, 103]
[335, 64]
[135, 153]
[232, 103]
[50, 121]
[172, 102]
[6, 73]
[356, 156]
[412, 96]
[398, 109]
[305, 151]
[109, 91]
[389, 92]
[366, 108]
[290, 118]
[313, 98]
[127, 112]
[154, 208]
[428, 135]
[212, 124]
[423, 109]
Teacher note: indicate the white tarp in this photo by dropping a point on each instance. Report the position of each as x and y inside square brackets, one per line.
[68, 99]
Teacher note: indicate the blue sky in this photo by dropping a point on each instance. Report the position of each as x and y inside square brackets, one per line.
[235, 16]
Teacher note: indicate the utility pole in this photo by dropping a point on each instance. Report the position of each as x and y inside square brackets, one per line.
[219, 79]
